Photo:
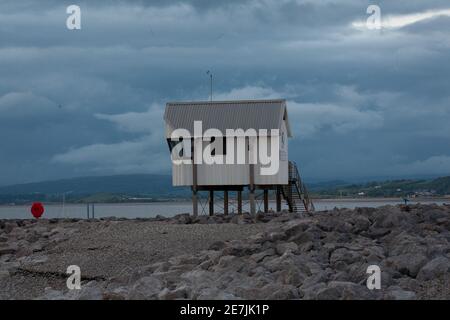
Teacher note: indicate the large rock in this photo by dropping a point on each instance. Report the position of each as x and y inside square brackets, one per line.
[406, 243]
[344, 255]
[406, 283]
[309, 292]
[436, 214]
[9, 226]
[8, 249]
[32, 236]
[434, 269]
[10, 266]
[52, 294]
[215, 294]
[408, 264]
[181, 292]
[88, 291]
[274, 236]
[291, 276]
[390, 217]
[341, 290]
[184, 218]
[4, 274]
[343, 227]
[119, 293]
[242, 219]
[376, 233]
[146, 288]
[240, 248]
[357, 272]
[284, 292]
[258, 257]
[271, 291]
[296, 226]
[396, 293]
[284, 247]
[198, 279]
[360, 223]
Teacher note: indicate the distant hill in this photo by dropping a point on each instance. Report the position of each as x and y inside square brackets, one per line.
[153, 187]
[99, 188]
[138, 183]
[441, 185]
[326, 185]
[391, 188]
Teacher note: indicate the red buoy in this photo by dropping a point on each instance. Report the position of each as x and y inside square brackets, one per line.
[37, 209]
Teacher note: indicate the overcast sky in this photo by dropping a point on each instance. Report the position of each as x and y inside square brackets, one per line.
[362, 103]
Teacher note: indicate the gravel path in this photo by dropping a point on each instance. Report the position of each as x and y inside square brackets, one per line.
[106, 249]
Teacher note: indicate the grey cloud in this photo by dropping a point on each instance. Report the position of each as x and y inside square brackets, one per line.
[149, 121]
[23, 104]
[119, 158]
[372, 100]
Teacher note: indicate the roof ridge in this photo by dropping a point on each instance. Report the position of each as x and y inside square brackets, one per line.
[227, 102]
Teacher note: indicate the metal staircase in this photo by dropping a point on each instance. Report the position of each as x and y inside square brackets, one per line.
[295, 193]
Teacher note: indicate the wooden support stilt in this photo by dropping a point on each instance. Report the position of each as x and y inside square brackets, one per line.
[239, 201]
[251, 198]
[266, 200]
[211, 202]
[194, 203]
[278, 199]
[225, 202]
[252, 190]
[194, 184]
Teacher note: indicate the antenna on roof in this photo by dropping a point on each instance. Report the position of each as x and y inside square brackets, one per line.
[211, 84]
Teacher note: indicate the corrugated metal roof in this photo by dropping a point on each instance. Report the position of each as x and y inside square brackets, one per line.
[222, 115]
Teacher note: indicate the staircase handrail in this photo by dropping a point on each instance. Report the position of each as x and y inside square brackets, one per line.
[301, 187]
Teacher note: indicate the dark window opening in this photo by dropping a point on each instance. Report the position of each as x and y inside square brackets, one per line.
[224, 143]
[223, 146]
[173, 143]
[213, 151]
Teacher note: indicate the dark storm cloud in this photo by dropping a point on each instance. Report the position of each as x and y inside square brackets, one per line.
[361, 102]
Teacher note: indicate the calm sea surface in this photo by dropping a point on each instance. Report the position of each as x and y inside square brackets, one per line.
[168, 209]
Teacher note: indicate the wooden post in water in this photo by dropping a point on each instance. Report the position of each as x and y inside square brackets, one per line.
[266, 200]
[87, 208]
[278, 199]
[194, 191]
[211, 202]
[239, 201]
[194, 203]
[225, 202]
[252, 190]
[194, 181]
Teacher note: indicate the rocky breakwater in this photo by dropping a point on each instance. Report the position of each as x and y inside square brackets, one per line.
[321, 257]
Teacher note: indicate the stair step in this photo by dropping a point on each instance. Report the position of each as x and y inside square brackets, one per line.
[295, 192]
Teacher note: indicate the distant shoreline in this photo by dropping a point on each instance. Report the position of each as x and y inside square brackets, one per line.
[381, 199]
[183, 201]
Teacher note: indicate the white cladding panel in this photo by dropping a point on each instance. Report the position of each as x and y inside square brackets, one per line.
[217, 174]
[234, 174]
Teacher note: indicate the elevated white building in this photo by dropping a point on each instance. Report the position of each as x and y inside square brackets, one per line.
[247, 145]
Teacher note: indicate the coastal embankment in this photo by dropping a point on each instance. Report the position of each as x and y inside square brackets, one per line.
[273, 256]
